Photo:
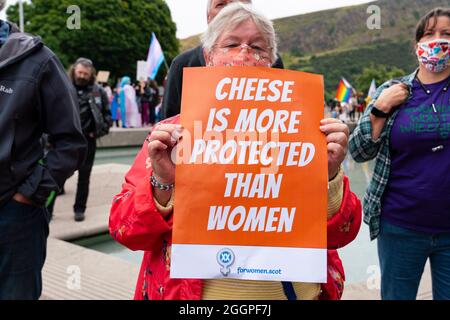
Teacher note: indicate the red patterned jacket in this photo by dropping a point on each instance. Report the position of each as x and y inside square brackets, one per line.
[136, 223]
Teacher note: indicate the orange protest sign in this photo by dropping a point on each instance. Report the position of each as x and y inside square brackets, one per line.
[251, 176]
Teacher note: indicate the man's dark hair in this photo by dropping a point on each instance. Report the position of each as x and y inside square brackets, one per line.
[424, 22]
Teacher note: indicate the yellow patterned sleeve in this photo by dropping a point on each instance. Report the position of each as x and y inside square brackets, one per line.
[335, 194]
[165, 210]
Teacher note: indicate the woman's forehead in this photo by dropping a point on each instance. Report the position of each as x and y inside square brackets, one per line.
[435, 23]
[246, 30]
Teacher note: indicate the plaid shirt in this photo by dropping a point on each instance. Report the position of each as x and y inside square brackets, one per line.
[363, 148]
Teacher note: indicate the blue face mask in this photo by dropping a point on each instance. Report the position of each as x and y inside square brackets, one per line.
[4, 32]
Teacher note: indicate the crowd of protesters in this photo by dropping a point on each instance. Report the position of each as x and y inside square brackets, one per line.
[347, 112]
[135, 105]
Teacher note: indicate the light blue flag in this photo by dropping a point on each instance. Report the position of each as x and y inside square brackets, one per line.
[155, 57]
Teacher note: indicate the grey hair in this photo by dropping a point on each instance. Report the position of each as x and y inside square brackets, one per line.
[231, 17]
[3, 3]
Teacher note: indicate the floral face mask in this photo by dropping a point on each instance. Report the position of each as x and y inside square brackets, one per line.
[434, 55]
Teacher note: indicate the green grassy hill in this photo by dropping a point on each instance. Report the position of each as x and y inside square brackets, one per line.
[189, 43]
[338, 43]
[350, 63]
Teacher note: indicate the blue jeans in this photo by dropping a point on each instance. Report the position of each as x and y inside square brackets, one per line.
[23, 241]
[403, 254]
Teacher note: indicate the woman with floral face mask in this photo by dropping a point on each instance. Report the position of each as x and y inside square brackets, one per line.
[407, 130]
[141, 215]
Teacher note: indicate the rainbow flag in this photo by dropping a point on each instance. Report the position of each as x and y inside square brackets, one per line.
[344, 91]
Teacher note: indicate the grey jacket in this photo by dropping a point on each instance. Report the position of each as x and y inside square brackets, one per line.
[36, 97]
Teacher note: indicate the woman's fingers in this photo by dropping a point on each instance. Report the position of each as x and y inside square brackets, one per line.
[160, 145]
[337, 150]
[160, 161]
[394, 96]
[164, 137]
[169, 134]
[338, 137]
[402, 90]
[329, 126]
[329, 121]
[336, 155]
[400, 85]
[169, 128]
[337, 143]
[155, 148]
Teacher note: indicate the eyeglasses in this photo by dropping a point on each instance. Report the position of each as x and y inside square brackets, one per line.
[262, 51]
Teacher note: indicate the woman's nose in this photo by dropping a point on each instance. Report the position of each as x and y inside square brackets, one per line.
[245, 47]
[438, 35]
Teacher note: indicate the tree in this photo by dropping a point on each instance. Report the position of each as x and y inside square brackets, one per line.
[114, 34]
[380, 73]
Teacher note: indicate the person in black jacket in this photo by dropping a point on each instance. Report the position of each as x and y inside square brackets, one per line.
[171, 105]
[36, 97]
[96, 120]
[150, 99]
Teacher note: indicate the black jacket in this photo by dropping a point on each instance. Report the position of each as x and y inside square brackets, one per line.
[36, 97]
[151, 96]
[171, 105]
[95, 114]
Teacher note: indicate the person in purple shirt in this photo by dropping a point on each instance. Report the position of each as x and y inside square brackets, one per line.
[417, 196]
[408, 203]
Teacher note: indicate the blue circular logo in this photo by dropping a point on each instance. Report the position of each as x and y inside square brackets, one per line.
[225, 258]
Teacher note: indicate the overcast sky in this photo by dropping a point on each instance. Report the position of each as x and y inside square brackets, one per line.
[190, 15]
[191, 21]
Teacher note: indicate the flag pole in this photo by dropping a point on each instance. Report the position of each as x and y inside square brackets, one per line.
[21, 16]
[165, 63]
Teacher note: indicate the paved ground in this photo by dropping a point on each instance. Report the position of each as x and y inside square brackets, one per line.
[119, 137]
[360, 291]
[72, 272]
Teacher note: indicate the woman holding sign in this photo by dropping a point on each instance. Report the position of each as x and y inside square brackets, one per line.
[407, 130]
[142, 214]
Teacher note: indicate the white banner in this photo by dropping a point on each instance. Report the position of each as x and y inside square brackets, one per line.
[249, 263]
[141, 74]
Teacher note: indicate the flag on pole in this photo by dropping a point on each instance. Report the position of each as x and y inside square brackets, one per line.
[155, 57]
[372, 89]
[344, 91]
